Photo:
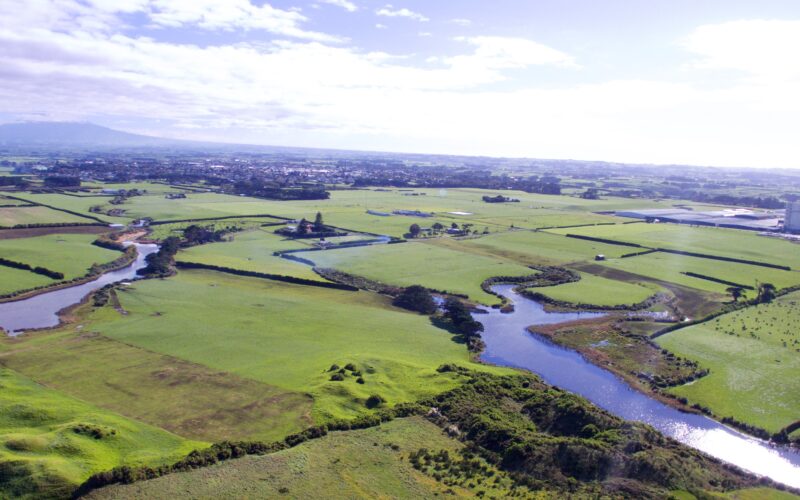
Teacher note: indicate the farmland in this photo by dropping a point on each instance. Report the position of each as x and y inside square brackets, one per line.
[754, 362]
[251, 251]
[201, 357]
[48, 443]
[288, 336]
[421, 264]
[353, 464]
[12, 216]
[71, 254]
[599, 291]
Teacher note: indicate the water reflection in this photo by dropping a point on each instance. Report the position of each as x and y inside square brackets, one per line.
[509, 344]
[41, 311]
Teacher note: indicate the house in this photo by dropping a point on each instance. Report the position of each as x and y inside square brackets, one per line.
[599, 257]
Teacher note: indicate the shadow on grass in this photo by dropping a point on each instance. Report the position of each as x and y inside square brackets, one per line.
[446, 325]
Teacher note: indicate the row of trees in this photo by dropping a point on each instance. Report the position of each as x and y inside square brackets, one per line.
[766, 293]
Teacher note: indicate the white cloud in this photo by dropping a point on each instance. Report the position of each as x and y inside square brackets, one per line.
[764, 49]
[62, 60]
[389, 11]
[381, 26]
[494, 53]
[345, 4]
[461, 22]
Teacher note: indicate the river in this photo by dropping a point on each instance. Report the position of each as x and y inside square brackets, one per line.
[508, 343]
[41, 311]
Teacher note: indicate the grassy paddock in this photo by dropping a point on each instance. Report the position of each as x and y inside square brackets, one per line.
[754, 357]
[71, 254]
[418, 263]
[599, 291]
[51, 442]
[288, 336]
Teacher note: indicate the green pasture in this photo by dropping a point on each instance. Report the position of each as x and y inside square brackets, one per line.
[12, 216]
[599, 291]
[288, 336]
[162, 231]
[537, 248]
[419, 263]
[668, 267]
[12, 280]
[46, 447]
[709, 240]
[352, 464]
[79, 204]
[187, 399]
[754, 358]
[253, 251]
[71, 254]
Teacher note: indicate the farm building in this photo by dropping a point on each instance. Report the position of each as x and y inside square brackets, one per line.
[732, 218]
[792, 220]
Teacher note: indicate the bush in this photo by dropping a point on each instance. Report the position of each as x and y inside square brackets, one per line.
[337, 377]
[416, 298]
[375, 401]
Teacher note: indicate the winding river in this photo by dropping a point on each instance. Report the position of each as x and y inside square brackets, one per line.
[41, 311]
[508, 343]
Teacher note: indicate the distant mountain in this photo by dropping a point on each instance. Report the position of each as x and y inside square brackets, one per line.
[66, 134]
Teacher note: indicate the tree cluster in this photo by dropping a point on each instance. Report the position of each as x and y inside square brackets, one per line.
[416, 298]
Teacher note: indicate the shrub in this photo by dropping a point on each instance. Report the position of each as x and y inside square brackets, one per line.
[375, 401]
[337, 377]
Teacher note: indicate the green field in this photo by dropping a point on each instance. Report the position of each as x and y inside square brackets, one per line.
[599, 291]
[71, 254]
[354, 464]
[162, 231]
[418, 263]
[12, 280]
[709, 240]
[288, 336]
[669, 267]
[754, 358]
[46, 447]
[79, 204]
[539, 248]
[252, 251]
[12, 216]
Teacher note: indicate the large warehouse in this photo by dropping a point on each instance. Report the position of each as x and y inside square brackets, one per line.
[792, 220]
[739, 218]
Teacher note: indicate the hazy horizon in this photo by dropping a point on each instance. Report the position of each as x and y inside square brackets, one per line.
[658, 83]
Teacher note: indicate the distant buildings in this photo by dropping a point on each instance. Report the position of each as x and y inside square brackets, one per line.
[791, 222]
[738, 218]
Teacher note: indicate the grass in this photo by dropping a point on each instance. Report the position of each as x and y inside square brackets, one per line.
[252, 251]
[754, 358]
[669, 267]
[45, 452]
[599, 291]
[369, 463]
[79, 204]
[12, 280]
[715, 241]
[527, 247]
[185, 398]
[418, 263]
[71, 254]
[163, 231]
[288, 336]
[11, 216]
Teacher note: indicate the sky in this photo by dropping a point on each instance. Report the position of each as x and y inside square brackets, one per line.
[703, 82]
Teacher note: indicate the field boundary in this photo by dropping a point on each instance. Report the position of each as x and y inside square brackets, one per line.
[273, 277]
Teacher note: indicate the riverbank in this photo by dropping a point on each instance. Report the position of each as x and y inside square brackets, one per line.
[128, 257]
[509, 343]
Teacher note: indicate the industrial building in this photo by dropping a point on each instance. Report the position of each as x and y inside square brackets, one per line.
[792, 220]
[738, 218]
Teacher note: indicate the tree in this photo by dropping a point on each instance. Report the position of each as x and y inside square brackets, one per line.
[416, 298]
[437, 226]
[319, 226]
[461, 319]
[766, 292]
[736, 292]
[414, 230]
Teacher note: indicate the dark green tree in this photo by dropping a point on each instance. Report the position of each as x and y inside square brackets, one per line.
[414, 230]
[416, 298]
[319, 225]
